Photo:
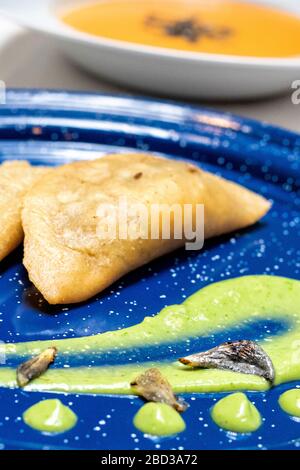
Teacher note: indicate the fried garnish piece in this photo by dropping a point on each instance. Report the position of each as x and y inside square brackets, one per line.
[244, 356]
[153, 386]
[35, 367]
[16, 177]
[66, 257]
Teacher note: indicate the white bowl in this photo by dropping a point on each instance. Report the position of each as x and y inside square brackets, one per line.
[159, 70]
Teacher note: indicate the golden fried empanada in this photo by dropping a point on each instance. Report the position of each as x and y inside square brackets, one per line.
[64, 256]
[16, 177]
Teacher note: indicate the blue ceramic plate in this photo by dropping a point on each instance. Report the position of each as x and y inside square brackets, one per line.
[57, 127]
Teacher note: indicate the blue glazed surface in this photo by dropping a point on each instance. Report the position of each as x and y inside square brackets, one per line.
[56, 127]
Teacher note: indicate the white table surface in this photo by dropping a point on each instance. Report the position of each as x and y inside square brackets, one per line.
[29, 60]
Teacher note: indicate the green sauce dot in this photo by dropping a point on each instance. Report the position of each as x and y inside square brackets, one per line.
[289, 401]
[158, 419]
[50, 416]
[236, 413]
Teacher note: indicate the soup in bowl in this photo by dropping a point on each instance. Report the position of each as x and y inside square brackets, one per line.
[208, 26]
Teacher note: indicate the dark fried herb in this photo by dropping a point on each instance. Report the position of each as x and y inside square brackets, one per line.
[35, 367]
[152, 386]
[138, 175]
[190, 29]
[243, 356]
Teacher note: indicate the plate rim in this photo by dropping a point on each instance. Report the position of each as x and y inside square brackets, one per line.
[28, 94]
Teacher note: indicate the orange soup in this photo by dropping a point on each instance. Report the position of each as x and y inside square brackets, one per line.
[211, 26]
